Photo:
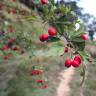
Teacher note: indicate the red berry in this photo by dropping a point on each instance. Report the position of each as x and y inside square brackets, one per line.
[36, 72]
[66, 49]
[75, 63]
[15, 48]
[67, 63]
[10, 41]
[6, 57]
[84, 36]
[77, 58]
[44, 86]
[43, 37]
[52, 31]
[43, 2]
[39, 81]
[5, 47]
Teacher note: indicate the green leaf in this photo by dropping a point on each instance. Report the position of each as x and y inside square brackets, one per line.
[83, 55]
[53, 39]
[33, 67]
[82, 28]
[77, 39]
[36, 1]
[79, 45]
[1, 60]
[1, 53]
[58, 28]
[83, 75]
[76, 34]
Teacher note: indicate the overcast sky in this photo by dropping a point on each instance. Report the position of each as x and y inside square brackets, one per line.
[89, 6]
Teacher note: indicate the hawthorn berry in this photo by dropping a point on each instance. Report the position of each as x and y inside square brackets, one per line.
[67, 63]
[39, 81]
[75, 63]
[44, 86]
[6, 57]
[43, 37]
[10, 41]
[84, 36]
[43, 2]
[15, 48]
[77, 58]
[5, 47]
[36, 72]
[52, 31]
[66, 49]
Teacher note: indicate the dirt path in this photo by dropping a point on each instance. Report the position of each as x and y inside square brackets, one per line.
[65, 78]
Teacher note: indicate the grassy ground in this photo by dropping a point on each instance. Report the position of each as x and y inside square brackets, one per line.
[16, 79]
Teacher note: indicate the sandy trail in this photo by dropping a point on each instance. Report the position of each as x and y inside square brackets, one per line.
[65, 78]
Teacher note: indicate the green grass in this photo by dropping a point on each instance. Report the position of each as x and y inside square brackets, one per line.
[21, 83]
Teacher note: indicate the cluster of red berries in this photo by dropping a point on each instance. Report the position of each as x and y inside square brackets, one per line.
[77, 60]
[74, 62]
[40, 81]
[9, 10]
[14, 10]
[51, 32]
[7, 47]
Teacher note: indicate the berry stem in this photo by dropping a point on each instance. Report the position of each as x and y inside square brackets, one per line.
[83, 76]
